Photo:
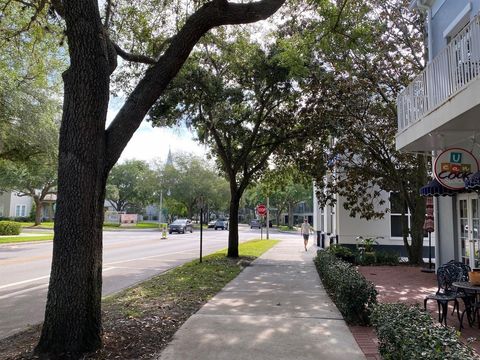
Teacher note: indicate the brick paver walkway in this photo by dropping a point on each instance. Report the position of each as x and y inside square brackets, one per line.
[409, 285]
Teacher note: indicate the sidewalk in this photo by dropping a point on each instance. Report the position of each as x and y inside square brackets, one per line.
[275, 309]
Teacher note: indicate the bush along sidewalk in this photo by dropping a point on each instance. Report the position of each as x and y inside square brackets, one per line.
[354, 295]
[407, 332]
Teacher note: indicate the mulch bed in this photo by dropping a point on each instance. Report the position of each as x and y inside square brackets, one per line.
[124, 337]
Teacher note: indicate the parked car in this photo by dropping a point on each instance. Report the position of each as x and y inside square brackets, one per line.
[255, 224]
[211, 224]
[221, 224]
[180, 226]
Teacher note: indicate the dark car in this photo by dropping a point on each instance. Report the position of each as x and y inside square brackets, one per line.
[255, 223]
[180, 226]
[221, 224]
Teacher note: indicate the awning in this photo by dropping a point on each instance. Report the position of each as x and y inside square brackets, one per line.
[434, 188]
[473, 182]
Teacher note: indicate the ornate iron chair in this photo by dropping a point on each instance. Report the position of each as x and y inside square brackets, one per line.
[447, 274]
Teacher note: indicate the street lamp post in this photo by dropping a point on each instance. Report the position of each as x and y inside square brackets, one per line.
[201, 203]
[160, 212]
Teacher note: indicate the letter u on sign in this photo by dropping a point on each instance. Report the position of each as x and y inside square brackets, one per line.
[456, 157]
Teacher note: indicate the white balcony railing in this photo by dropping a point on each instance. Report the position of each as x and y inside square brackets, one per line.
[450, 71]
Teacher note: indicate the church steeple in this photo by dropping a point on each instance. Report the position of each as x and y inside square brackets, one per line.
[169, 157]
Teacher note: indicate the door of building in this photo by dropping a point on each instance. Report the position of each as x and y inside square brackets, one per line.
[468, 228]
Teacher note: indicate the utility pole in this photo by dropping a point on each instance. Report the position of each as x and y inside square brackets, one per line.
[268, 218]
[160, 213]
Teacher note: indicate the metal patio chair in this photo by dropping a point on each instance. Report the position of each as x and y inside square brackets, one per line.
[447, 274]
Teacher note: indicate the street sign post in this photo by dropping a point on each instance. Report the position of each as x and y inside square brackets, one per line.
[261, 210]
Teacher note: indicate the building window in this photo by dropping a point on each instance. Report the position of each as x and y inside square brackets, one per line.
[396, 217]
[396, 206]
[20, 211]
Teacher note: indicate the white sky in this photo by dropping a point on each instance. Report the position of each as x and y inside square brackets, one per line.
[150, 143]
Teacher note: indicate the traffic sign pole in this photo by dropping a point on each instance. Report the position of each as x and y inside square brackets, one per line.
[268, 219]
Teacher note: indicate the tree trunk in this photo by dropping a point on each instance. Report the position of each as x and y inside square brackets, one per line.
[233, 224]
[290, 215]
[417, 219]
[87, 153]
[38, 210]
[72, 317]
[416, 205]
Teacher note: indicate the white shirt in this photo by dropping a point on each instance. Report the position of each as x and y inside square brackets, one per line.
[305, 229]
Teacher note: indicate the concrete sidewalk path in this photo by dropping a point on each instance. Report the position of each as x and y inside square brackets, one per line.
[276, 309]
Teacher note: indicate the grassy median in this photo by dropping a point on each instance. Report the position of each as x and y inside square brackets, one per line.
[139, 322]
[17, 239]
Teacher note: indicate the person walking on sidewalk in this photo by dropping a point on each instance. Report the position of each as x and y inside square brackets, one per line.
[305, 231]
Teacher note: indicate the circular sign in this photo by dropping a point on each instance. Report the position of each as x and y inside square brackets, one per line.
[453, 166]
[261, 209]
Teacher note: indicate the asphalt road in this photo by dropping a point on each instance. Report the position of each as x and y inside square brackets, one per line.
[130, 256]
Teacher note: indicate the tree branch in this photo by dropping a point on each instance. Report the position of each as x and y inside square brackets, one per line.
[158, 77]
[133, 57]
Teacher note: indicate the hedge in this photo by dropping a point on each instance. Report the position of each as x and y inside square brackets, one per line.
[9, 228]
[354, 295]
[407, 332]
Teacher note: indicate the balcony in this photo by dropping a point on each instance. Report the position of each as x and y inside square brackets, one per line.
[451, 72]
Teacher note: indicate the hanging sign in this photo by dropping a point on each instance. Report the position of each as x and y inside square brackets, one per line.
[453, 166]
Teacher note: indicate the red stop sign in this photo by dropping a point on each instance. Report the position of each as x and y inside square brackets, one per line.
[261, 209]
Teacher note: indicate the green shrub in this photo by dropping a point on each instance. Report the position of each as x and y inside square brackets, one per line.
[285, 228]
[387, 258]
[342, 252]
[407, 332]
[9, 228]
[377, 258]
[21, 219]
[368, 258]
[349, 290]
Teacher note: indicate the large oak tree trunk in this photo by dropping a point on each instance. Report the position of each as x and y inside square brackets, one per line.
[88, 152]
[72, 316]
[233, 224]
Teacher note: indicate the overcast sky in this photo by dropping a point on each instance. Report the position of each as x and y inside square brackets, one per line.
[152, 143]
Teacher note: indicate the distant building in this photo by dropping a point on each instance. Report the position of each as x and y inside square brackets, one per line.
[14, 206]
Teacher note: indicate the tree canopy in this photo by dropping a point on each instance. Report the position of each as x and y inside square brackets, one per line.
[243, 102]
[366, 52]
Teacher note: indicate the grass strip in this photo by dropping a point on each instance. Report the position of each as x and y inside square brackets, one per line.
[151, 312]
[17, 239]
[43, 225]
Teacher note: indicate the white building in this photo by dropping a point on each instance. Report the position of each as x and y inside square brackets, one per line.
[337, 226]
[438, 114]
[12, 205]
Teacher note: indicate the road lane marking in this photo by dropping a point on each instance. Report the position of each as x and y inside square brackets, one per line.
[32, 288]
[149, 257]
[107, 268]
[20, 292]
[24, 282]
